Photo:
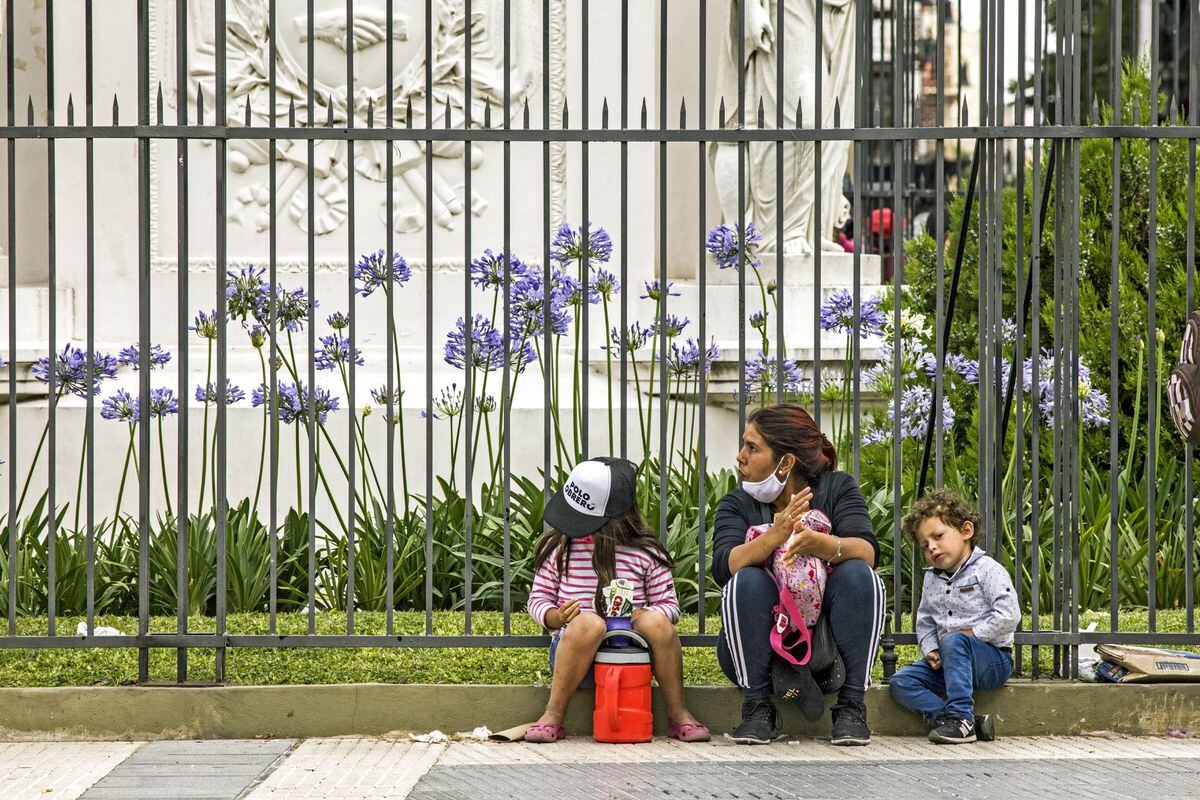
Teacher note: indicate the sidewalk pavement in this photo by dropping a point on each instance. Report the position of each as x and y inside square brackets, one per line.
[353, 768]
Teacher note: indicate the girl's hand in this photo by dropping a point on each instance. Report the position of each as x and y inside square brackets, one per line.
[567, 612]
[784, 522]
[804, 542]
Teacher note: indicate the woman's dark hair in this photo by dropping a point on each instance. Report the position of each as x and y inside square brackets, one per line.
[790, 430]
[629, 529]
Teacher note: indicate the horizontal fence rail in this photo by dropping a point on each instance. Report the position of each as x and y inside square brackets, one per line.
[419, 257]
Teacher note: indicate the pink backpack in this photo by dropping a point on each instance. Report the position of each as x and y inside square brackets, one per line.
[801, 587]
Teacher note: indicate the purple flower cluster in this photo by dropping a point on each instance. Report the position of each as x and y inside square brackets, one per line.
[246, 293]
[671, 326]
[573, 288]
[915, 405]
[487, 347]
[528, 306]
[725, 244]
[334, 352]
[655, 291]
[636, 338]
[131, 356]
[293, 401]
[684, 362]
[205, 325]
[163, 402]
[837, 314]
[121, 406]
[209, 396]
[375, 270]
[762, 375]
[758, 321]
[487, 271]
[569, 245]
[338, 321]
[448, 404]
[380, 396]
[71, 373]
[606, 284]
[1093, 404]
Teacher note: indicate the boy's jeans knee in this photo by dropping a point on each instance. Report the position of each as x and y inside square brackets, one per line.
[968, 665]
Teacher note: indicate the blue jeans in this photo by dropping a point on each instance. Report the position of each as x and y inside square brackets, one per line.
[968, 665]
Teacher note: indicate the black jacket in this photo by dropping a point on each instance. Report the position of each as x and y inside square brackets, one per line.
[837, 494]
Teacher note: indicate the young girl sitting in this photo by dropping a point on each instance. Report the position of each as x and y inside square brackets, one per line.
[965, 622]
[597, 534]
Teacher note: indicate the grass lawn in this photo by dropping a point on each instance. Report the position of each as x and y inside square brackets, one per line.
[113, 666]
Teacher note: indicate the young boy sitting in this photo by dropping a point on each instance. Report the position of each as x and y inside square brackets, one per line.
[965, 622]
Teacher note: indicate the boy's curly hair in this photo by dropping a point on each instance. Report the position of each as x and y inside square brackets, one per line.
[948, 506]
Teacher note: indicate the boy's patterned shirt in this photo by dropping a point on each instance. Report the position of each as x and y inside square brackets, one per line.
[978, 596]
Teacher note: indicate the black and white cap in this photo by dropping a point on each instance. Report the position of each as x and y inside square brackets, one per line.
[596, 491]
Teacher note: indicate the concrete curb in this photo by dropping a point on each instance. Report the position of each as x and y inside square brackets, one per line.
[1022, 708]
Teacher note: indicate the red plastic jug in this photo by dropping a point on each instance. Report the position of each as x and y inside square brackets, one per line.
[623, 674]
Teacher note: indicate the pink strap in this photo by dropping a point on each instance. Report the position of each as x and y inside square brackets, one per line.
[789, 620]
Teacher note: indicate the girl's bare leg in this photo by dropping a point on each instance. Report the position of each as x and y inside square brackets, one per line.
[575, 653]
[667, 655]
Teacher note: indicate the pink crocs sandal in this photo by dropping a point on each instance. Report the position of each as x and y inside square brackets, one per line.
[545, 733]
[688, 732]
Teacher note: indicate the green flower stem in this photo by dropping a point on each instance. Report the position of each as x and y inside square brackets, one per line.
[124, 473]
[329, 492]
[637, 387]
[361, 437]
[204, 435]
[608, 377]
[762, 290]
[674, 419]
[299, 483]
[400, 416]
[162, 459]
[262, 448]
[546, 368]
[79, 481]
[33, 464]
[1135, 420]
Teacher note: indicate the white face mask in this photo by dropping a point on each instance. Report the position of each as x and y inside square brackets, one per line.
[768, 489]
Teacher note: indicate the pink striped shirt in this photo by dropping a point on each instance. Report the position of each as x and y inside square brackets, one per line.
[653, 586]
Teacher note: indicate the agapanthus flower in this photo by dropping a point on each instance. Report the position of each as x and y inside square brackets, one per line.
[635, 340]
[569, 246]
[606, 284]
[528, 307]
[71, 373]
[338, 321]
[258, 336]
[121, 406]
[373, 271]
[1008, 330]
[292, 307]
[915, 405]
[758, 321]
[1093, 403]
[245, 293]
[762, 375]
[208, 395]
[655, 291]
[876, 434]
[837, 314]
[163, 402]
[487, 271]
[485, 404]
[448, 404]
[671, 326]
[205, 325]
[725, 245]
[293, 401]
[334, 352]
[684, 362]
[487, 347]
[572, 288]
[131, 356]
[380, 396]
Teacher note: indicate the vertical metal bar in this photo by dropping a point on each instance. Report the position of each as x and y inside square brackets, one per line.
[550, 382]
[861, 73]
[741, 220]
[818, 217]
[1014, 365]
[89, 289]
[182, 275]
[1035, 352]
[395, 417]
[221, 498]
[310, 418]
[143, 158]
[11, 147]
[703, 368]
[897, 345]
[781, 103]
[272, 413]
[1189, 509]
[940, 234]
[429, 315]
[664, 454]
[469, 321]
[351, 407]
[507, 402]
[583, 413]
[52, 280]
[1152, 386]
[1114, 299]
[624, 220]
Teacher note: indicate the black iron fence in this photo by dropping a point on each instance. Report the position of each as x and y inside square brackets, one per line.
[1015, 348]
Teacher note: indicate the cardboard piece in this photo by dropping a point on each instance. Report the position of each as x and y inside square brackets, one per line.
[514, 734]
[1147, 664]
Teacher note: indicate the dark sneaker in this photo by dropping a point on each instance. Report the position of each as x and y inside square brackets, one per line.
[953, 730]
[985, 728]
[850, 725]
[760, 723]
